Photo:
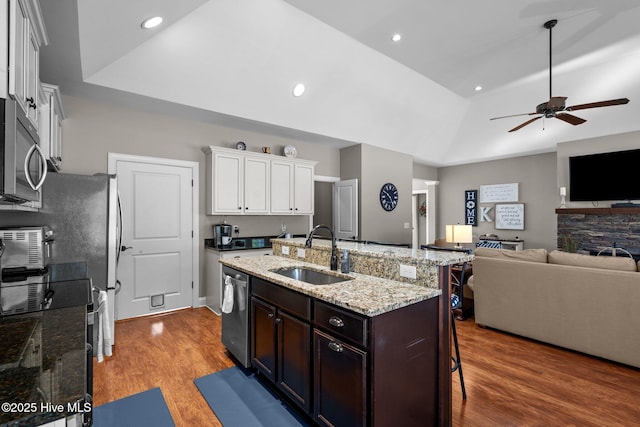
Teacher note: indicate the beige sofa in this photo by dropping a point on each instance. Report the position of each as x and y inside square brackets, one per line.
[580, 302]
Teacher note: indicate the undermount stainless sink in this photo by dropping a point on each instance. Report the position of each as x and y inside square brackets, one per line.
[311, 276]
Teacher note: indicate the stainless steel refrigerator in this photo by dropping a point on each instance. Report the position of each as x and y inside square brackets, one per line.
[84, 213]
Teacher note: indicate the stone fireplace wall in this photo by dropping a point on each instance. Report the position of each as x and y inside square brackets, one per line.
[585, 230]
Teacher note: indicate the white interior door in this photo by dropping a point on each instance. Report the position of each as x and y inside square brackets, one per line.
[156, 269]
[345, 209]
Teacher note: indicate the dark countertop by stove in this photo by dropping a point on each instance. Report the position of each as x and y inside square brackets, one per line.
[48, 338]
[245, 243]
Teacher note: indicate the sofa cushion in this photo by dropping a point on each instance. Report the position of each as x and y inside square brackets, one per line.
[603, 262]
[531, 255]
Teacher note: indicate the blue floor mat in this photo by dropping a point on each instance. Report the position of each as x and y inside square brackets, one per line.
[139, 410]
[239, 400]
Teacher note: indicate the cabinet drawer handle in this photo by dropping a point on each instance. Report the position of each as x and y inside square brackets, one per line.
[270, 315]
[336, 321]
[337, 347]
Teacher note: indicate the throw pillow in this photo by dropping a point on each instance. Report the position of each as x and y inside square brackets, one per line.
[603, 262]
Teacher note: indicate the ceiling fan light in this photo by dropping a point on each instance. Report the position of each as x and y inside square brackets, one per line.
[396, 37]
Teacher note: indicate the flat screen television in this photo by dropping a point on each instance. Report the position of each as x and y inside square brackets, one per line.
[605, 176]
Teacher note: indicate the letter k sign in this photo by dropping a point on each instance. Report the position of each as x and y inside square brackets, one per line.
[484, 214]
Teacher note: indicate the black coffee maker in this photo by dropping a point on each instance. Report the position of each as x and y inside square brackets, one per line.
[222, 235]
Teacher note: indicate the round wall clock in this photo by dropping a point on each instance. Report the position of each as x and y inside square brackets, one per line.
[388, 197]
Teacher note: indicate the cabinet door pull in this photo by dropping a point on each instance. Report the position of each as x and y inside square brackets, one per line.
[270, 315]
[336, 321]
[278, 320]
[337, 347]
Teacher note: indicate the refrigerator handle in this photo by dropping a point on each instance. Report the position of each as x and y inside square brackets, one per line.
[119, 227]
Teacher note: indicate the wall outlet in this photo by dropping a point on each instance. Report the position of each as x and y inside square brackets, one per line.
[407, 271]
[301, 253]
[236, 229]
[407, 225]
[285, 250]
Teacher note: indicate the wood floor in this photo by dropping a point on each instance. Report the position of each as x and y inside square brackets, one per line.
[510, 381]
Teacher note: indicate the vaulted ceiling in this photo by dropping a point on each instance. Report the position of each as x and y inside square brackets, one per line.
[235, 62]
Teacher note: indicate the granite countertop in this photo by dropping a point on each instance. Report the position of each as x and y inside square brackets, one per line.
[363, 294]
[419, 256]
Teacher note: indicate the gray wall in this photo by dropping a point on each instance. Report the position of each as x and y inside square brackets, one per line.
[323, 203]
[536, 176]
[425, 172]
[92, 130]
[374, 167]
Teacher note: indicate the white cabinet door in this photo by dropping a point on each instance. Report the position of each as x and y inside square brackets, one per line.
[51, 116]
[281, 187]
[24, 65]
[18, 36]
[303, 189]
[228, 183]
[32, 76]
[256, 185]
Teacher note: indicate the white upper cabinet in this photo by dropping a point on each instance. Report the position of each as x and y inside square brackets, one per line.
[303, 189]
[51, 117]
[257, 184]
[225, 186]
[292, 187]
[26, 35]
[282, 187]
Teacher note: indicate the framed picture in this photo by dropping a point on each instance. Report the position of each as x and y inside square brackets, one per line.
[509, 216]
[499, 193]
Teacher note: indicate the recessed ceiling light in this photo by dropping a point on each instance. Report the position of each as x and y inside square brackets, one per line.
[151, 22]
[396, 37]
[478, 88]
[298, 89]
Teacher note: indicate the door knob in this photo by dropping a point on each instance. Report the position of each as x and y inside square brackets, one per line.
[124, 248]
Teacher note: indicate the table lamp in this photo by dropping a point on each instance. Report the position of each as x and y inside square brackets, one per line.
[458, 234]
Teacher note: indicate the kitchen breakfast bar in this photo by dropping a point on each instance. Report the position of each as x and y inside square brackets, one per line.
[373, 348]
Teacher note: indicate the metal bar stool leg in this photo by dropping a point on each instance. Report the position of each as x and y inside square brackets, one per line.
[457, 363]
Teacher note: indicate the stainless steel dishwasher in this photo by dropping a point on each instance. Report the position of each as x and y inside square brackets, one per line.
[235, 322]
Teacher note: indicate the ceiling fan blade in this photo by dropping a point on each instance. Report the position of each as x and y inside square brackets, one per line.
[570, 118]
[556, 102]
[525, 123]
[512, 115]
[608, 103]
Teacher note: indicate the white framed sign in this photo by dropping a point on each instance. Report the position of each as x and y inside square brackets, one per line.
[510, 216]
[499, 193]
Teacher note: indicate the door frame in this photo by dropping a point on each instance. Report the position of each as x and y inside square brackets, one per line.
[114, 158]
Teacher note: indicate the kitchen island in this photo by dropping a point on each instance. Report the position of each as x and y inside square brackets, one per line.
[373, 349]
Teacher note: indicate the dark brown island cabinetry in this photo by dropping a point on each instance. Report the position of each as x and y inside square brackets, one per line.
[281, 339]
[344, 368]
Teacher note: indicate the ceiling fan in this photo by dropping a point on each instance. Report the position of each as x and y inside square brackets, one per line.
[555, 107]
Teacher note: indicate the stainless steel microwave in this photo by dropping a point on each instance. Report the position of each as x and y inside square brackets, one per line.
[23, 165]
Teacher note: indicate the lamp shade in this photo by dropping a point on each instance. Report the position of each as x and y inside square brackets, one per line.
[459, 233]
